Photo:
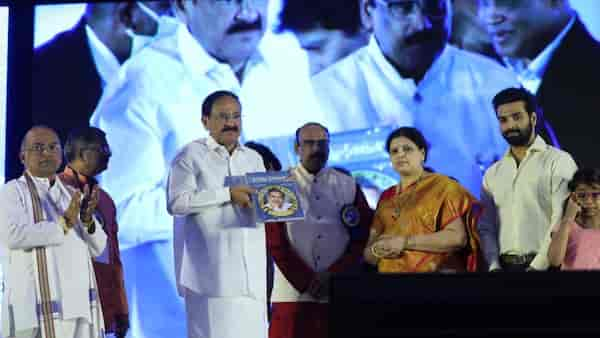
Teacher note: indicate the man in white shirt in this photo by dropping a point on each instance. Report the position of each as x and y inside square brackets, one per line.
[408, 75]
[106, 35]
[49, 234]
[220, 249]
[555, 57]
[330, 239]
[152, 110]
[523, 193]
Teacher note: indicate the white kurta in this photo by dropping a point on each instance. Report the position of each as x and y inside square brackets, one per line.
[220, 250]
[451, 106]
[70, 272]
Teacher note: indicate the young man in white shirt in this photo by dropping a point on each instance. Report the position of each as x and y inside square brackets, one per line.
[524, 192]
[545, 43]
[220, 249]
[408, 75]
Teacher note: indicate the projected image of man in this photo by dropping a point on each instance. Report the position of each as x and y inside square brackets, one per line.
[548, 47]
[408, 75]
[71, 70]
[327, 30]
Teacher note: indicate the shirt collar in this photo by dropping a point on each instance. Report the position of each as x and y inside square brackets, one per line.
[42, 181]
[530, 75]
[215, 146]
[538, 145]
[106, 62]
[435, 71]
[199, 62]
[375, 51]
[307, 175]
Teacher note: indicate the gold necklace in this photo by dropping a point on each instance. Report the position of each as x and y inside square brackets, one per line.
[397, 208]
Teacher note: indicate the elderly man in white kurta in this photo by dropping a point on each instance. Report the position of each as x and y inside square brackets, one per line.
[50, 236]
[330, 239]
[220, 249]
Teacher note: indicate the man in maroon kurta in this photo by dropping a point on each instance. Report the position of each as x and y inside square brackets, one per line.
[87, 154]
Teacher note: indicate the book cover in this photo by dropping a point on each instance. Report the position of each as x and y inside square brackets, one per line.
[277, 197]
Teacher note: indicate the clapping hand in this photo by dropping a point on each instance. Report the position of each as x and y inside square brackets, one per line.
[89, 204]
[71, 214]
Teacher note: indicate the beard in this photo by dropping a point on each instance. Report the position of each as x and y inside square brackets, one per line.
[518, 137]
[316, 162]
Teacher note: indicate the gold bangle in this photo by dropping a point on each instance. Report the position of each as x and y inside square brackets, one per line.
[410, 243]
[90, 226]
[374, 252]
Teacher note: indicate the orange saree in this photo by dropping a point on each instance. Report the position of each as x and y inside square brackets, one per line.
[425, 207]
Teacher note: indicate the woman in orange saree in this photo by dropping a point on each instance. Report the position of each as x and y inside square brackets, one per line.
[425, 223]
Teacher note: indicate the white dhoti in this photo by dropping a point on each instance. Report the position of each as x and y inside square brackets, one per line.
[76, 328]
[225, 317]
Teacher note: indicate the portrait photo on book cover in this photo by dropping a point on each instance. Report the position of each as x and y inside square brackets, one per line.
[277, 200]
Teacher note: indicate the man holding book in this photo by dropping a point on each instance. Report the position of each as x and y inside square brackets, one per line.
[329, 239]
[220, 251]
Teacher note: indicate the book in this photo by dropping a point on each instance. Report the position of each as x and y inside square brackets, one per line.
[277, 197]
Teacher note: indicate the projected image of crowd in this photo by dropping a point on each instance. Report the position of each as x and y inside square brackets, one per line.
[424, 136]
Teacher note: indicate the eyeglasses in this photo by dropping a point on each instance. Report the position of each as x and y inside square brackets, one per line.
[433, 9]
[104, 150]
[231, 3]
[503, 3]
[224, 117]
[312, 143]
[582, 195]
[40, 148]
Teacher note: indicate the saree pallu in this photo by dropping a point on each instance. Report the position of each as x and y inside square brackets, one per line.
[425, 207]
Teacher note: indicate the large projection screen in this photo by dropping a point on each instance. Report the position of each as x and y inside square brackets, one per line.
[461, 126]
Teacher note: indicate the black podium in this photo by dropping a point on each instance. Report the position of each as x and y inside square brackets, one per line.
[529, 304]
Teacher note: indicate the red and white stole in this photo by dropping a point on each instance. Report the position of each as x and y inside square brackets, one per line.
[47, 324]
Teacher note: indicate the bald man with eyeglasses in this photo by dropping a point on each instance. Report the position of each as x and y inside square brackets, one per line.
[50, 235]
